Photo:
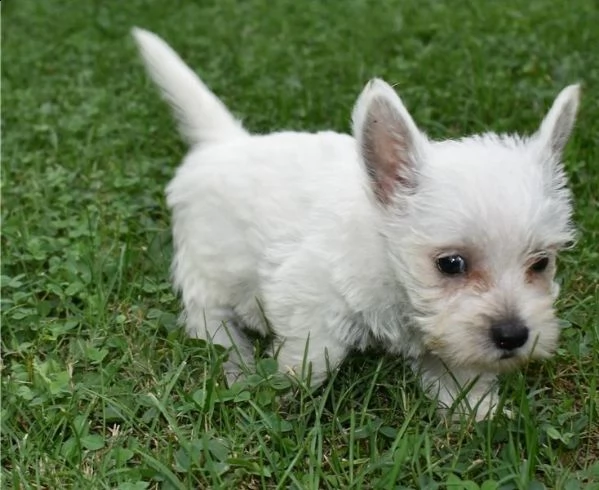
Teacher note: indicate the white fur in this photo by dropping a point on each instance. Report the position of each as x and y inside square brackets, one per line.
[202, 117]
[334, 238]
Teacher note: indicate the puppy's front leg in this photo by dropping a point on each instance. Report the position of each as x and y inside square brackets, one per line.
[310, 358]
[473, 391]
[308, 337]
[310, 325]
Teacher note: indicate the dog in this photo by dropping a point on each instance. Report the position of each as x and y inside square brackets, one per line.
[443, 252]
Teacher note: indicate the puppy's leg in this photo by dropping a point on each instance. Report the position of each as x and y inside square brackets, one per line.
[218, 325]
[310, 358]
[309, 319]
[475, 392]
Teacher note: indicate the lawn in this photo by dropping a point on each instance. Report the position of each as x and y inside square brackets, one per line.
[100, 389]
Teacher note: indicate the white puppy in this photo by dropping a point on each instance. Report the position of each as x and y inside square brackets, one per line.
[441, 251]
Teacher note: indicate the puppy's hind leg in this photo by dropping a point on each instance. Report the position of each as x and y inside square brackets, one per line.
[219, 326]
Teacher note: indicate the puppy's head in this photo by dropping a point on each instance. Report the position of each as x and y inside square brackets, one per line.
[472, 227]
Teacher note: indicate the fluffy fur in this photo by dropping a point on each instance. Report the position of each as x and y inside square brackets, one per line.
[336, 240]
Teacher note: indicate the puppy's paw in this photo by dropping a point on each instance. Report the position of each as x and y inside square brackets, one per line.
[232, 375]
[471, 407]
[485, 410]
[508, 414]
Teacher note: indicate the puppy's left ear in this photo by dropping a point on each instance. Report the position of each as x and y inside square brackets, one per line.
[390, 144]
[558, 123]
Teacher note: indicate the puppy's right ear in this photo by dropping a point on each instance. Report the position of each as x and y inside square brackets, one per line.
[390, 144]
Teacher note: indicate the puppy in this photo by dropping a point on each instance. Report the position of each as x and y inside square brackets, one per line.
[441, 251]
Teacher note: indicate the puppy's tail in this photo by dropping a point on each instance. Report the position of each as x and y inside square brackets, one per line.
[201, 116]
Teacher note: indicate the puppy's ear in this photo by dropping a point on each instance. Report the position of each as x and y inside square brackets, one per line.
[390, 144]
[559, 121]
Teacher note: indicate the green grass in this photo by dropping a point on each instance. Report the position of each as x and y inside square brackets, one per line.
[99, 387]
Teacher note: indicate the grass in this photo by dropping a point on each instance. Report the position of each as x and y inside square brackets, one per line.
[99, 387]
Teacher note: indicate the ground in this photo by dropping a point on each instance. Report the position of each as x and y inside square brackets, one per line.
[99, 387]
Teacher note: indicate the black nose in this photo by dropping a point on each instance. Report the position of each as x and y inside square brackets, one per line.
[509, 334]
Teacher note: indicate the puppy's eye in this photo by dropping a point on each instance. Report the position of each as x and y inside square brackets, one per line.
[540, 265]
[452, 265]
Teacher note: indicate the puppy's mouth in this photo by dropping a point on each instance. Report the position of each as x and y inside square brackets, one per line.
[508, 360]
[507, 355]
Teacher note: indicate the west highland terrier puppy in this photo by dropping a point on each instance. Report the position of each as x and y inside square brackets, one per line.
[442, 251]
